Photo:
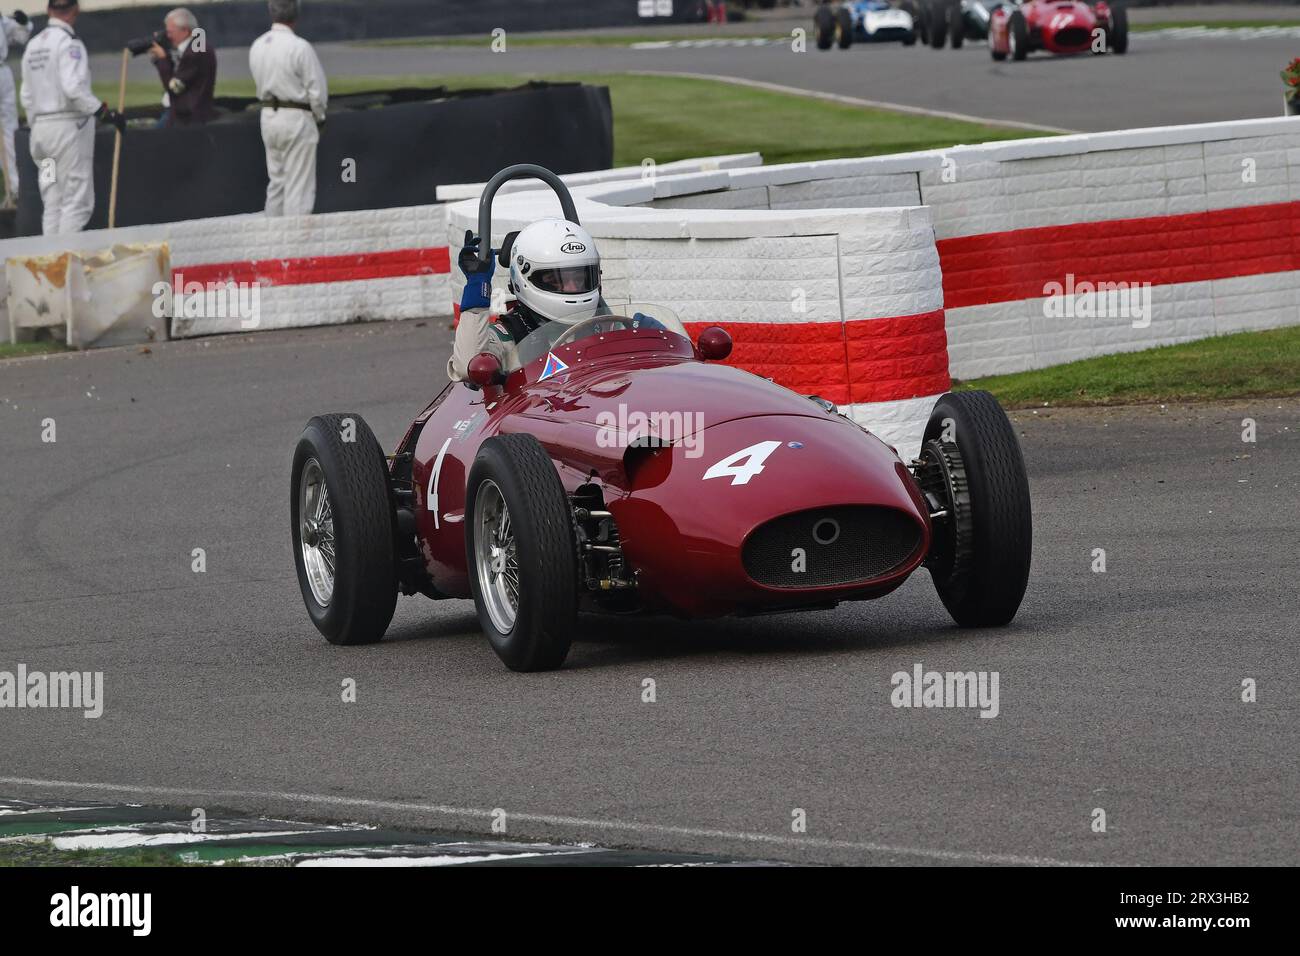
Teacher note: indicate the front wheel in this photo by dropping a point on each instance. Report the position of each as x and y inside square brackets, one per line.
[980, 553]
[956, 26]
[1018, 36]
[521, 550]
[343, 522]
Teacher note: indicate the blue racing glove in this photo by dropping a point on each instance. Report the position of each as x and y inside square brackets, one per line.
[478, 275]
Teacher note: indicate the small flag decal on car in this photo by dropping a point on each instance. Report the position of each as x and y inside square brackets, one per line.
[553, 367]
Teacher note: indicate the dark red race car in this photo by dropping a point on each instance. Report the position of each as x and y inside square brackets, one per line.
[622, 469]
[1058, 26]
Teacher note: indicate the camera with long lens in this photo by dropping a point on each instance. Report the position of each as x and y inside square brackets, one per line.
[141, 44]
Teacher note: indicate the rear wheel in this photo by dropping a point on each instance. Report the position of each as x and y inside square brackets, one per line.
[938, 24]
[956, 26]
[844, 19]
[521, 549]
[980, 554]
[1117, 35]
[343, 520]
[1018, 36]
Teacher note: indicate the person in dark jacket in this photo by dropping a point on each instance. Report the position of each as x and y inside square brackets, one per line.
[188, 71]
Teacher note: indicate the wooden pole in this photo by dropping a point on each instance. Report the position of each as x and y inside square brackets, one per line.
[117, 143]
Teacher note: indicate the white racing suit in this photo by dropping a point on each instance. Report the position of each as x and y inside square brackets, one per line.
[61, 110]
[479, 332]
[11, 32]
[287, 71]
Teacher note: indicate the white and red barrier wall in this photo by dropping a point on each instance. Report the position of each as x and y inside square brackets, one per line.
[868, 281]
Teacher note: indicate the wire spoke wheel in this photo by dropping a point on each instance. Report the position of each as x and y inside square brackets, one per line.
[496, 556]
[316, 532]
[342, 524]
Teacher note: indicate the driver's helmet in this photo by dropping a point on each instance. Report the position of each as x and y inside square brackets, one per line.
[555, 271]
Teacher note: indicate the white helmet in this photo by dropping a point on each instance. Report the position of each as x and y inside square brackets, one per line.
[555, 270]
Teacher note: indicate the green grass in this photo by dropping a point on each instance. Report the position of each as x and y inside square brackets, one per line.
[668, 118]
[1244, 365]
[8, 350]
[578, 40]
[43, 853]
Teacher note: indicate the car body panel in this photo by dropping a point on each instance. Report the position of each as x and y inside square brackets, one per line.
[875, 21]
[682, 529]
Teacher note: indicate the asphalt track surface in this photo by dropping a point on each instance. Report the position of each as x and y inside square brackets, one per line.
[1161, 81]
[1118, 690]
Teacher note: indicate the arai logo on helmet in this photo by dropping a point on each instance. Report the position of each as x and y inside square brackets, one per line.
[573, 248]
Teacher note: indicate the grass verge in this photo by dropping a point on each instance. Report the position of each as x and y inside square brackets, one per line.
[8, 350]
[1243, 365]
[573, 40]
[670, 118]
[43, 853]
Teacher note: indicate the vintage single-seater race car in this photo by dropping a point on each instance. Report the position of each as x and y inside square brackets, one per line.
[863, 21]
[955, 21]
[1058, 26]
[621, 468]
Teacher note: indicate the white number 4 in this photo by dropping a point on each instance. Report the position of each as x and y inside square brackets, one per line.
[753, 456]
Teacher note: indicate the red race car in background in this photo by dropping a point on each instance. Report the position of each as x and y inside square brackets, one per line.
[622, 469]
[1058, 26]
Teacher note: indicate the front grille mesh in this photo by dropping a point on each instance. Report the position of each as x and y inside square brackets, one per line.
[1071, 36]
[847, 544]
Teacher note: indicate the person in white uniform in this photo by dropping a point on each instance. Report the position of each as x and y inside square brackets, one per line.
[62, 110]
[291, 85]
[14, 31]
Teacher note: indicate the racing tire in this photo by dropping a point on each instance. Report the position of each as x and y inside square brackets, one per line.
[1018, 36]
[918, 24]
[344, 529]
[518, 516]
[844, 20]
[824, 27]
[938, 25]
[956, 26]
[1117, 35]
[981, 552]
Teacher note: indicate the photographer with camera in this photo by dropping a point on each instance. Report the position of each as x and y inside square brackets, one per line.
[186, 66]
[14, 31]
[62, 110]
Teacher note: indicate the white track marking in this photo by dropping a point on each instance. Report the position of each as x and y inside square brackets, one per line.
[407, 860]
[431, 499]
[118, 841]
[855, 101]
[610, 826]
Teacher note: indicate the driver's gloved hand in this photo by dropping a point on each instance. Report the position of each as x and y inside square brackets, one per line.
[478, 274]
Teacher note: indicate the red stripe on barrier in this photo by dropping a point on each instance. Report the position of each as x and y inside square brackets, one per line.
[862, 360]
[808, 357]
[317, 269]
[1162, 250]
[892, 359]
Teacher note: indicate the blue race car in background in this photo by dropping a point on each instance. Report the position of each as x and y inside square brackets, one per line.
[866, 21]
